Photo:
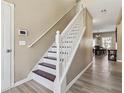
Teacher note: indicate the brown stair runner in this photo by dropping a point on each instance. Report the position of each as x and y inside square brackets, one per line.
[52, 58]
[48, 65]
[45, 75]
[52, 51]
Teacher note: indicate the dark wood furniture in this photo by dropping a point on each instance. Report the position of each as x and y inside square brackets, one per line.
[112, 54]
[97, 50]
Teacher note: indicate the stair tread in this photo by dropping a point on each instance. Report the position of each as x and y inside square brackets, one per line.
[48, 65]
[52, 51]
[55, 52]
[54, 46]
[44, 74]
[52, 58]
[62, 46]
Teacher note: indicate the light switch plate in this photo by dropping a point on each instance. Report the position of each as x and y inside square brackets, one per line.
[22, 43]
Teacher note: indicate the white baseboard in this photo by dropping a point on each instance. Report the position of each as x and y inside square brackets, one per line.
[5, 90]
[119, 60]
[17, 84]
[77, 77]
[21, 82]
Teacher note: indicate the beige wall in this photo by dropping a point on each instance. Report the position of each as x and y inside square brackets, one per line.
[119, 41]
[83, 55]
[37, 16]
[119, 17]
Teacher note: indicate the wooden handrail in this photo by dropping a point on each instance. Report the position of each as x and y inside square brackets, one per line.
[35, 41]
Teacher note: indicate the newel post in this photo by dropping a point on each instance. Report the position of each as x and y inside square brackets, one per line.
[58, 56]
[57, 88]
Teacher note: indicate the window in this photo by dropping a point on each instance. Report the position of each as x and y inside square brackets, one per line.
[107, 42]
[94, 42]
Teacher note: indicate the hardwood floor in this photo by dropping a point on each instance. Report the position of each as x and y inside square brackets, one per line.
[102, 77]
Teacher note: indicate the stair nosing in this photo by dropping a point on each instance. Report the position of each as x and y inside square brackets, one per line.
[52, 58]
[52, 52]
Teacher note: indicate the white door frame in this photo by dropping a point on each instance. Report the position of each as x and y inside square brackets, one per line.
[12, 41]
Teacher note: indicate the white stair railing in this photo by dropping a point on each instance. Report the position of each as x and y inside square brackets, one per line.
[67, 44]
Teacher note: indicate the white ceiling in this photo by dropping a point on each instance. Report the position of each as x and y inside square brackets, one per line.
[107, 20]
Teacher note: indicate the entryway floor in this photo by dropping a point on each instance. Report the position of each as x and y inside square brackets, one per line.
[102, 77]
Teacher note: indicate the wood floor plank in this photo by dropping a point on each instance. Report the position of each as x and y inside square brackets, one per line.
[102, 77]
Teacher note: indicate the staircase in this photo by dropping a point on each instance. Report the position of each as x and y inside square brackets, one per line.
[52, 68]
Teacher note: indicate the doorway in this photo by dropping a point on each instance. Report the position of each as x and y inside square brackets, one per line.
[7, 51]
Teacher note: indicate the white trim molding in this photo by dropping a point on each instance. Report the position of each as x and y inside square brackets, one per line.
[12, 6]
[5, 90]
[22, 81]
[13, 48]
[78, 76]
[19, 83]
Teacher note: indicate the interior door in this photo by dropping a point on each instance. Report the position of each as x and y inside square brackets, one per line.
[6, 46]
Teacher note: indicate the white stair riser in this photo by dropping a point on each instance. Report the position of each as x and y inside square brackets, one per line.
[52, 54]
[53, 49]
[72, 37]
[47, 69]
[55, 55]
[49, 61]
[43, 81]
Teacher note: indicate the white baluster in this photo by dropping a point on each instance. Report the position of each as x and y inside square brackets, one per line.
[66, 45]
[62, 47]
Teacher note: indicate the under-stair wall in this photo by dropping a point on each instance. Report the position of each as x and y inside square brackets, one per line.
[119, 42]
[83, 55]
